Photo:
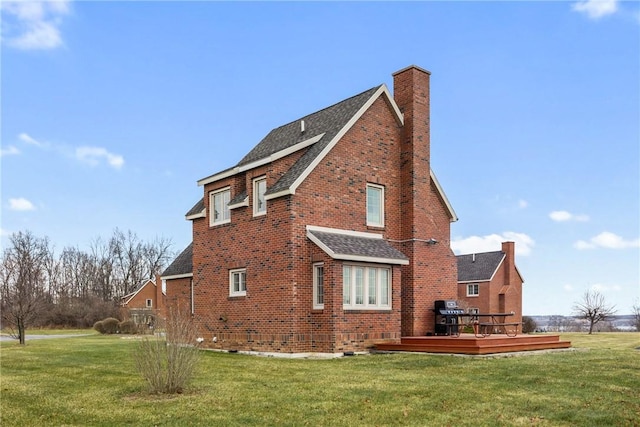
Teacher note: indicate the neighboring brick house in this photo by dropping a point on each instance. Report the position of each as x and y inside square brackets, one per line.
[146, 303]
[330, 235]
[490, 282]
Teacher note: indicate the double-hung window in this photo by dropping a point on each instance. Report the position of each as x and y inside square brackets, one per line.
[375, 205]
[318, 286]
[473, 290]
[366, 287]
[219, 207]
[238, 282]
[259, 200]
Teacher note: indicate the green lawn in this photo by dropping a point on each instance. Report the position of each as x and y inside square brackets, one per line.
[91, 381]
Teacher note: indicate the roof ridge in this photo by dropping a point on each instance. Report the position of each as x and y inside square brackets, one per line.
[372, 89]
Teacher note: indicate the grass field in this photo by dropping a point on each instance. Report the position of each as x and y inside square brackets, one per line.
[91, 381]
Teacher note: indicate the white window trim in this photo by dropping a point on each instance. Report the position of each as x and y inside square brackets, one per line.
[477, 286]
[149, 303]
[365, 288]
[316, 305]
[241, 292]
[212, 221]
[381, 188]
[256, 182]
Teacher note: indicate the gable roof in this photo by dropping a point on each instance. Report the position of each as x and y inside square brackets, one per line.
[318, 133]
[127, 298]
[479, 267]
[355, 246]
[182, 266]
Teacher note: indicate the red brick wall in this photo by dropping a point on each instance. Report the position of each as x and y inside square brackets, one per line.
[140, 299]
[178, 294]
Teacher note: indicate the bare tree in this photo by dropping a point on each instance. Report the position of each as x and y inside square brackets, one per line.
[636, 315]
[593, 308]
[22, 293]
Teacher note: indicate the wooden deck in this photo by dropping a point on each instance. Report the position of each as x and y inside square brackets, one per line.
[470, 344]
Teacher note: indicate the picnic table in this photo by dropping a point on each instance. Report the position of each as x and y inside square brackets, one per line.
[484, 324]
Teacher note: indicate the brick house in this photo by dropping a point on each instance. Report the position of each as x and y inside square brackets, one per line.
[332, 234]
[490, 282]
[146, 303]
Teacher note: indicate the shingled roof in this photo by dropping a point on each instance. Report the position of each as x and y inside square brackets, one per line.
[318, 132]
[182, 265]
[478, 267]
[355, 246]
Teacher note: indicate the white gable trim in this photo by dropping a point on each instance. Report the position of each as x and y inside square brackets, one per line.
[398, 116]
[202, 214]
[177, 276]
[244, 202]
[366, 234]
[275, 156]
[136, 292]
[443, 196]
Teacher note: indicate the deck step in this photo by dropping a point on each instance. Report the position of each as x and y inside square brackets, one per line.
[470, 344]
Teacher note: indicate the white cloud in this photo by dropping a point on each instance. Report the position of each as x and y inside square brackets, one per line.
[562, 216]
[596, 9]
[21, 204]
[607, 240]
[94, 155]
[33, 25]
[568, 287]
[9, 151]
[522, 204]
[493, 242]
[31, 141]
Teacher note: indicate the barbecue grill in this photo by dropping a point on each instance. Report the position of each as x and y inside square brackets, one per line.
[447, 312]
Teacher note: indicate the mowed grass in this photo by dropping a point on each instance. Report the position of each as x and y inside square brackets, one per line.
[91, 381]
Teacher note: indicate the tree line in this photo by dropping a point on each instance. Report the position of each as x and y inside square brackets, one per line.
[73, 288]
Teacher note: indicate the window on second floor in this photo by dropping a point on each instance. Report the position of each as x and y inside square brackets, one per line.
[473, 290]
[259, 200]
[375, 205]
[219, 207]
[149, 303]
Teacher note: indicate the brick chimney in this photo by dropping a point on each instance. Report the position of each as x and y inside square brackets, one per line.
[509, 248]
[411, 93]
[432, 271]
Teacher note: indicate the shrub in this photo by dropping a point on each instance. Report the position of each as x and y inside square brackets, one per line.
[528, 325]
[128, 327]
[167, 360]
[99, 326]
[110, 325]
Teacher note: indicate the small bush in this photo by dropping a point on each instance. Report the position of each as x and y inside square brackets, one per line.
[528, 325]
[128, 327]
[110, 325]
[167, 361]
[99, 326]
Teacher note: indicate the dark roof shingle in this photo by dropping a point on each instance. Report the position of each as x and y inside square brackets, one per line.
[346, 246]
[183, 264]
[478, 267]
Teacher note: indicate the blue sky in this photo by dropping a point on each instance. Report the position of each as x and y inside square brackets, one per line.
[111, 111]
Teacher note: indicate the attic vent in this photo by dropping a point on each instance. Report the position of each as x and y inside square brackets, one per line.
[302, 126]
[473, 258]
